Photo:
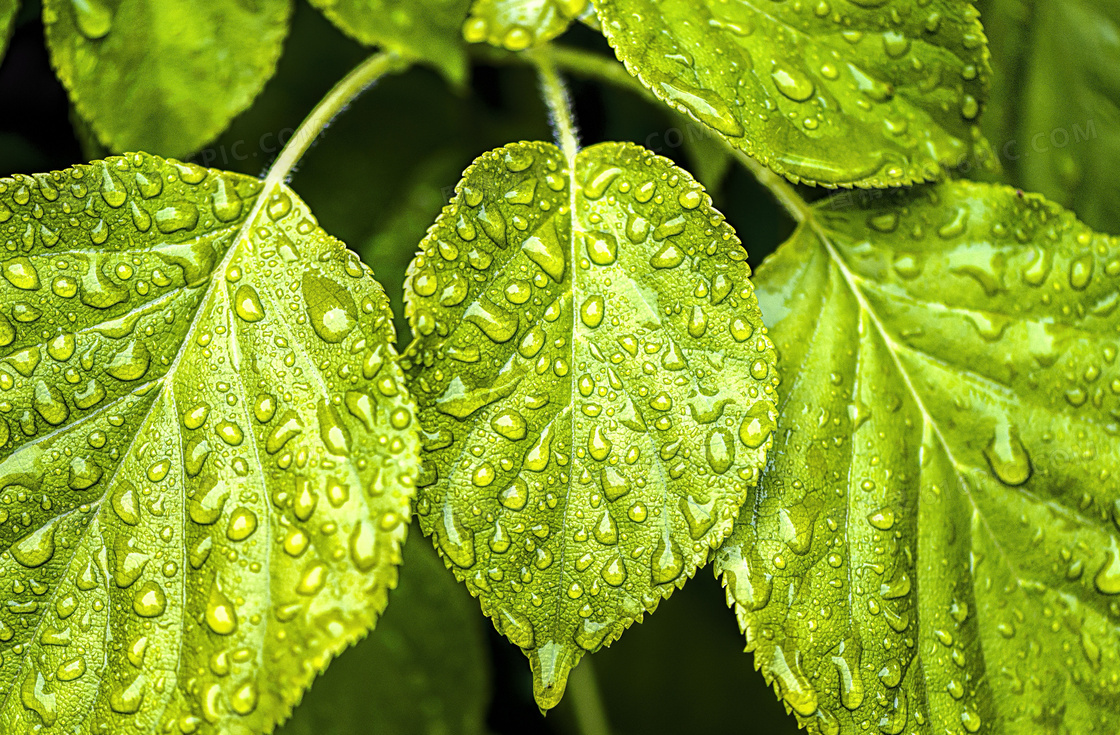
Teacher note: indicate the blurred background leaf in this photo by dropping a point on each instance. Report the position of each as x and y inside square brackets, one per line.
[424, 670]
[1054, 114]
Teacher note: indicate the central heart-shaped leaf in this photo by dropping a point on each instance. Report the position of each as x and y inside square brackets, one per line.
[596, 387]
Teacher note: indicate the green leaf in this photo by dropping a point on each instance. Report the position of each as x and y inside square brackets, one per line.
[935, 546]
[8, 10]
[206, 451]
[428, 30]
[518, 24]
[424, 670]
[1055, 119]
[837, 94]
[580, 467]
[165, 76]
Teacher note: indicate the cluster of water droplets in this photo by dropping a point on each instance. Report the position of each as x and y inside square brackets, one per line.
[819, 91]
[207, 455]
[596, 390]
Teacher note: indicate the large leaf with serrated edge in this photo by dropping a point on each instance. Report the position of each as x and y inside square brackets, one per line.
[165, 76]
[848, 93]
[596, 391]
[936, 545]
[207, 454]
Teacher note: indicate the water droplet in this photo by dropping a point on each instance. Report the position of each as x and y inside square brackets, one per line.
[515, 626]
[20, 273]
[177, 217]
[37, 548]
[330, 308]
[602, 247]
[515, 496]
[758, 425]
[130, 363]
[242, 524]
[221, 617]
[1007, 456]
[93, 19]
[496, 323]
[707, 106]
[510, 424]
[720, 450]
[247, 304]
[545, 250]
[592, 310]
[455, 540]
[149, 600]
[793, 83]
[1107, 580]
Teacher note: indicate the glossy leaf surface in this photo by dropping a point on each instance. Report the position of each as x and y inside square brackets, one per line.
[518, 24]
[596, 391]
[164, 76]
[841, 93]
[206, 451]
[1055, 119]
[935, 546]
[428, 30]
[425, 669]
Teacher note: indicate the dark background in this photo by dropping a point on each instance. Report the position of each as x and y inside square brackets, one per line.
[377, 179]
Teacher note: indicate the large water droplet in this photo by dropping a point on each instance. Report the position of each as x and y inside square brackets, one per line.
[221, 617]
[93, 19]
[330, 308]
[1007, 456]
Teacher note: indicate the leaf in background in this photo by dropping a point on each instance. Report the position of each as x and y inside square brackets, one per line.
[206, 450]
[138, 69]
[1055, 117]
[424, 670]
[936, 544]
[596, 391]
[428, 30]
[848, 95]
[8, 9]
[518, 24]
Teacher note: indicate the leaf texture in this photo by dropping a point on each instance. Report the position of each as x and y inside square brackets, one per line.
[935, 547]
[206, 452]
[841, 94]
[428, 30]
[596, 391]
[138, 69]
[1056, 118]
[518, 24]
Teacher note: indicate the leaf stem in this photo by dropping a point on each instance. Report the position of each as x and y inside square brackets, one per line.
[558, 101]
[340, 96]
[587, 704]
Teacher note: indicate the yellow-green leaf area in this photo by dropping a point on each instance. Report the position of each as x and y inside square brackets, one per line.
[935, 546]
[866, 93]
[519, 24]
[165, 76]
[596, 390]
[428, 30]
[206, 452]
